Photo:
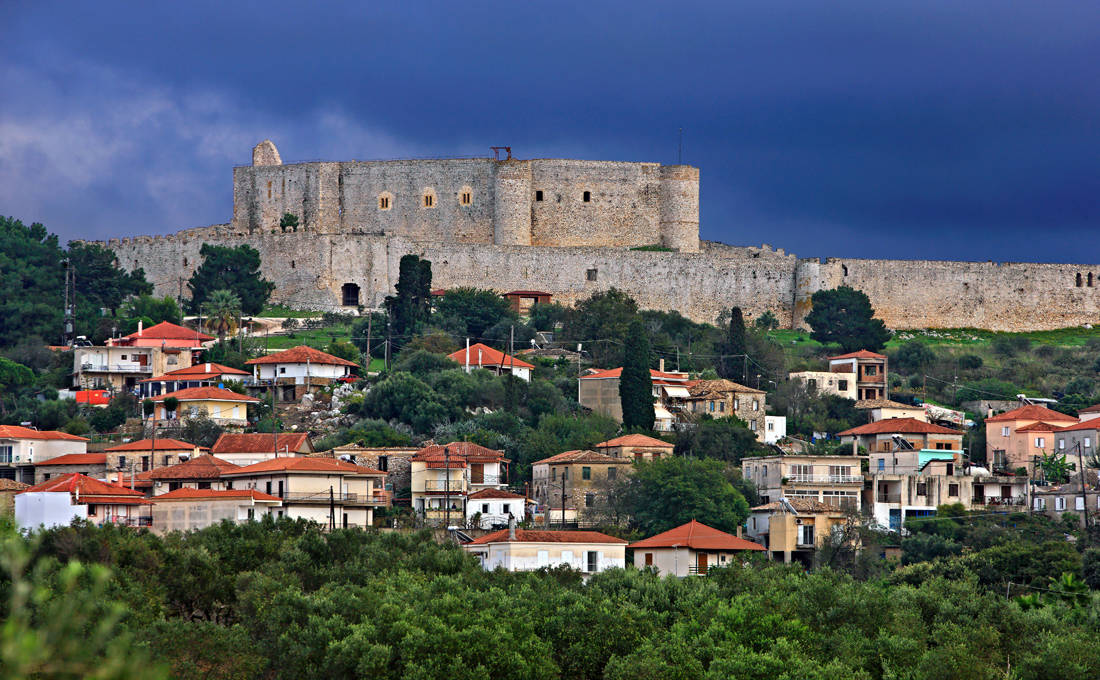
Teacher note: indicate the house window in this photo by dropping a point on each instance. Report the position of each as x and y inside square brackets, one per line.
[589, 500]
[145, 463]
[710, 405]
[953, 490]
[1040, 504]
[870, 370]
[722, 406]
[752, 425]
[593, 560]
[1004, 431]
[1088, 442]
[587, 198]
[1040, 442]
[806, 534]
[252, 513]
[538, 195]
[649, 559]
[611, 472]
[1061, 443]
[385, 201]
[755, 405]
[282, 369]
[771, 426]
[485, 508]
[122, 462]
[1078, 503]
[167, 461]
[91, 511]
[506, 509]
[5, 454]
[922, 488]
[842, 385]
[586, 473]
[564, 474]
[881, 464]
[736, 404]
[1059, 503]
[590, 275]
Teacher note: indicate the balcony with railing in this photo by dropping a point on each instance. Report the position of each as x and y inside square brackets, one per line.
[998, 501]
[824, 479]
[115, 368]
[343, 498]
[131, 521]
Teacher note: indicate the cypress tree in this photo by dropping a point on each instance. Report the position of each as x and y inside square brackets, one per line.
[636, 383]
[732, 365]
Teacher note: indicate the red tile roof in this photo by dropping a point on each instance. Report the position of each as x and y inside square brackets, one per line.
[582, 457]
[533, 536]
[76, 459]
[1032, 412]
[300, 355]
[493, 493]
[169, 331]
[459, 452]
[191, 494]
[202, 467]
[900, 426]
[1038, 426]
[1095, 408]
[303, 464]
[12, 485]
[616, 372]
[206, 394]
[19, 432]
[82, 485]
[633, 440]
[861, 354]
[1090, 424]
[261, 442]
[698, 536]
[162, 444]
[484, 355]
[197, 372]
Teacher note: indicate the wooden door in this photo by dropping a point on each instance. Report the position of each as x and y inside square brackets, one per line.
[477, 473]
[701, 563]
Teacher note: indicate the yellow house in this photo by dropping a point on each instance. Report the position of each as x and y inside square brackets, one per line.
[794, 528]
[576, 479]
[224, 407]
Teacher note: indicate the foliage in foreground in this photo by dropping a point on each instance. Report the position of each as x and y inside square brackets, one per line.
[281, 600]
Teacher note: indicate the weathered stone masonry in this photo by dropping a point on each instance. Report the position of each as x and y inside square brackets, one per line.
[566, 227]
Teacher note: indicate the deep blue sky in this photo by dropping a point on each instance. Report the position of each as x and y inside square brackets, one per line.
[937, 129]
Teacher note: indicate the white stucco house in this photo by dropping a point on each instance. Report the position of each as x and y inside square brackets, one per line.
[515, 549]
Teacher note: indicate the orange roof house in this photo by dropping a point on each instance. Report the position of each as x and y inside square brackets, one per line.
[870, 369]
[200, 375]
[224, 407]
[59, 500]
[690, 548]
[285, 443]
[20, 432]
[636, 447]
[301, 354]
[883, 435]
[480, 355]
[204, 472]
[527, 550]
[1017, 438]
[165, 334]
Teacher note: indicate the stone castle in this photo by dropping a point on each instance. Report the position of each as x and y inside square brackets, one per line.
[571, 228]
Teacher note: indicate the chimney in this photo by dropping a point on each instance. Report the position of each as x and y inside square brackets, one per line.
[661, 366]
[739, 528]
[207, 366]
[140, 324]
[511, 528]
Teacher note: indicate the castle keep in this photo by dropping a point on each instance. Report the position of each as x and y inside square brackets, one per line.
[567, 227]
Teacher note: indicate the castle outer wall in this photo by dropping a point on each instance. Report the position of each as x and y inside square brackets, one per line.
[567, 227]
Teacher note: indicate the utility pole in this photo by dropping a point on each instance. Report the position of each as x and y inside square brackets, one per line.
[1084, 494]
[68, 328]
[370, 327]
[745, 375]
[274, 420]
[446, 487]
[389, 337]
[331, 510]
[563, 479]
[153, 439]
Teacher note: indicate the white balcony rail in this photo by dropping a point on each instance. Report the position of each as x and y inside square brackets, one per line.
[824, 479]
[116, 368]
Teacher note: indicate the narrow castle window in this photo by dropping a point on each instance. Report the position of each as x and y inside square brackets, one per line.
[1090, 279]
[429, 199]
[292, 264]
[466, 199]
[538, 195]
[587, 196]
[590, 275]
[185, 262]
[845, 268]
[1078, 279]
[350, 294]
[269, 189]
[385, 201]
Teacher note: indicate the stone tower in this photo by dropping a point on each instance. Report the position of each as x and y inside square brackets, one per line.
[512, 203]
[680, 208]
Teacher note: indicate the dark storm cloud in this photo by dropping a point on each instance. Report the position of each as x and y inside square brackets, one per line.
[931, 129]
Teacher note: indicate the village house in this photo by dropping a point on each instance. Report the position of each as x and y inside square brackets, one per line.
[775, 428]
[254, 447]
[887, 435]
[442, 476]
[794, 528]
[200, 375]
[224, 407]
[635, 447]
[598, 391]
[22, 447]
[512, 549]
[8, 489]
[720, 398]
[905, 484]
[884, 409]
[121, 369]
[58, 501]
[1078, 438]
[828, 382]
[1054, 500]
[165, 335]
[1017, 438]
[1089, 412]
[493, 508]
[188, 509]
[480, 355]
[296, 371]
[690, 549]
[833, 480]
[870, 371]
[578, 479]
[202, 472]
[395, 461]
[324, 490]
[143, 455]
[91, 464]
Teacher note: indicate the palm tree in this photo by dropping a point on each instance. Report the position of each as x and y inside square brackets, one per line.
[222, 309]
